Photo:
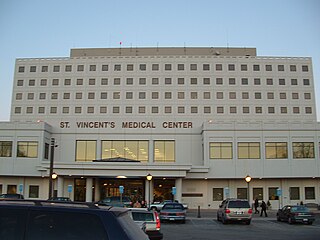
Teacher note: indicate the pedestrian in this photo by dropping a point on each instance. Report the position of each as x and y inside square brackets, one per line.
[263, 209]
[137, 204]
[256, 205]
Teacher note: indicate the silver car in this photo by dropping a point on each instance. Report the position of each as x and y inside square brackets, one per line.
[234, 210]
[173, 212]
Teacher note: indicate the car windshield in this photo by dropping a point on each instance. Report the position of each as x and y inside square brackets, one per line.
[142, 216]
[173, 206]
[238, 204]
[299, 209]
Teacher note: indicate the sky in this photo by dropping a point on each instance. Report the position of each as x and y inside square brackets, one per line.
[38, 28]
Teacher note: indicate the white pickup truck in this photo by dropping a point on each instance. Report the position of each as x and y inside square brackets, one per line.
[157, 206]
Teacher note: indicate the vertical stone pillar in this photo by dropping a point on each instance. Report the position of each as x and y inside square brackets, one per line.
[89, 183]
[97, 190]
[178, 185]
[60, 186]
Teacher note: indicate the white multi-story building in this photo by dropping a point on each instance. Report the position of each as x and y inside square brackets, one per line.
[197, 119]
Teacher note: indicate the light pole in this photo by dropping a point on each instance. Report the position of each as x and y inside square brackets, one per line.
[149, 178]
[53, 177]
[53, 145]
[248, 179]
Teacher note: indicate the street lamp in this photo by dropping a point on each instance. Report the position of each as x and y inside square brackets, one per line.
[149, 178]
[248, 179]
[53, 177]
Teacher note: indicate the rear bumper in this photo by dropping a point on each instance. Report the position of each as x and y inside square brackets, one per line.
[154, 235]
[172, 218]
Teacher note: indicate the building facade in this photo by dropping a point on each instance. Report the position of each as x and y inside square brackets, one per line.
[197, 119]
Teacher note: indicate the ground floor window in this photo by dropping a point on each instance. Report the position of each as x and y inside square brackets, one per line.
[217, 194]
[272, 191]
[309, 193]
[163, 189]
[33, 191]
[242, 193]
[258, 193]
[80, 189]
[12, 189]
[294, 193]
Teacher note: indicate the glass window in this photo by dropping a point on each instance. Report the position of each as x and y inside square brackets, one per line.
[90, 109]
[193, 81]
[155, 81]
[155, 67]
[104, 81]
[129, 81]
[194, 110]
[68, 68]
[303, 149]
[217, 194]
[66, 95]
[268, 67]
[220, 109]
[193, 95]
[276, 150]
[258, 193]
[180, 67]
[309, 193]
[132, 149]
[85, 150]
[21, 69]
[92, 68]
[257, 81]
[65, 110]
[293, 68]
[33, 68]
[294, 82]
[19, 96]
[27, 149]
[305, 68]
[206, 109]
[206, 95]
[193, 67]
[168, 109]
[41, 110]
[220, 150]
[244, 81]
[206, 67]
[91, 95]
[116, 95]
[282, 81]
[129, 109]
[231, 67]
[104, 67]
[180, 81]
[167, 67]
[181, 110]
[167, 81]
[181, 95]
[129, 95]
[32, 82]
[142, 109]
[129, 67]
[294, 193]
[244, 67]
[116, 81]
[92, 81]
[256, 67]
[116, 110]
[272, 192]
[232, 81]
[206, 81]
[218, 67]
[249, 150]
[142, 95]
[219, 81]
[79, 81]
[307, 95]
[306, 82]
[245, 95]
[103, 109]
[5, 149]
[142, 81]
[117, 67]
[77, 109]
[154, 109]
[164, 151]
[280, 68]
[242, 193]
[67, 82]
[20, 83]
[33, 191]
[80, 68]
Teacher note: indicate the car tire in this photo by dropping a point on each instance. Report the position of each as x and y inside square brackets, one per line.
[224, 221]
[278, 218]
[290, 220]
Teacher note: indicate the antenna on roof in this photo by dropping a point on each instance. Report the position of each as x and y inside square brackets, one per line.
[184, 48]
[120, 48]
[157, 46]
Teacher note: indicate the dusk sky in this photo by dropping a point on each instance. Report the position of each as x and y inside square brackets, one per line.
[37, 28]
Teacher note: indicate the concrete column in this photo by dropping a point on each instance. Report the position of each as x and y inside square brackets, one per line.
[97, 190]
[60, 186]
[151, 150]
[89, 183]
[147, 191]
[178, 185]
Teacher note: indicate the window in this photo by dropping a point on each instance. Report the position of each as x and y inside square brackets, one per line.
[167, 81]
[269, 81]
[142, 95]
[181, 110]
[21, 69]
[245, 110]
[271, 110]
[117, 67]
[116, 95]
[30, 96]
[78, 95]
[91, 95]
[116, 110]
[242, 193]
[29, 110]
[258, 109]
[283, 110]
[194, 95]
[77, 109]
[219, 95]
[44, 69]
[296, 110]
[206, 81]
[206, 95]
[27, 149]
[231, 67]
[129, 67]
[268, 67]
[5, 149]
[282, 81]
[155, 81]
[142, 109]
[193, 67]
[276, 150]
[164, 151]
[308, 110]
[103, 109]
[155, 67]
[92, 68]
[132, 149]
[232, 81]
[218, 67]
[307, 95]
[258, 193]
[65, 110]
[92, 81]
[17, 110]
[217, 194]
[167, 109]
[20, 83]
[85, 150]
[42, 96]
[220, 110]
[104, 81]
[168, 95]
[256, 67]
[293, 68]
[220, 150]
[129, 81]
[129, 95]
[41, 110]
[194, 110]
[303, 149]
[206, 109]
[19, 96]
[55, 82]
[233, 109]
[219, 81]
[232, 95]
[244, 81]
[79, 81]
[33, 191]
[180, 95]
[80, 68]
[105, 68]
[270, 95]
[309, 193]
[154, 109]
[283, 95]
[206, 67]
[142, 67]
[257, 81]
[249, 150]
[68, 68]
[142, 81]
[244, 67]
[305, 68]
[155, 95]
[245, 95]
[129, 109]
[167, 67]
[294, 82]
[280, 68]
[33, 68]
[306, 82]
[193, 81]
[180, 67]
[180, 81]
[116, 81]
[32, 82]
[56, 68]
[294, 193]
[272, 193]
[257, 95]
[295, 95]
[53, 110]
[11, 189]
[67, 82]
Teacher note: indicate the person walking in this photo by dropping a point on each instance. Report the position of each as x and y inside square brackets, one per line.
[263, 209]
[256, 205]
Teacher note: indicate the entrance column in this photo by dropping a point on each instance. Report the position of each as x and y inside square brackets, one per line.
[97, 190]
[60, 186]
[146, 187]
[178, 185]
[89, 190]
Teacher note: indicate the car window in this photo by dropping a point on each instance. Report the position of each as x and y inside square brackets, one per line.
[299, 209]
[64, 225]
[173, 206]
[12, 222]
[142, 216]
[238, 204]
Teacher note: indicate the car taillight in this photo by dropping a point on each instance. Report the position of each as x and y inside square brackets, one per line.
[157, 221]
[227, 211]
[250, 211]
[180, 214]
[164, 213]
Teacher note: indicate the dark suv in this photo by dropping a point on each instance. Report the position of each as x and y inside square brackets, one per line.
[37, 220]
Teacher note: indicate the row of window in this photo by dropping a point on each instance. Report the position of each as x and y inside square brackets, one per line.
[24, 149]
[165, 109]
[167, 81]
[12, 189]
[166, 95]
[166, 67]
[252, 150]
[218, 194]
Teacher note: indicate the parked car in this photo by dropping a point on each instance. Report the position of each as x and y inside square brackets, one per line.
[60, 199]
[234, 210]
[173, 212]
[116, 201]
[157, 206]
[38, 220]
[295, 213]
[11, 196]
[152, 220]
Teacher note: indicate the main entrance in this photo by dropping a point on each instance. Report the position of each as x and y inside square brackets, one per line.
[163, 189]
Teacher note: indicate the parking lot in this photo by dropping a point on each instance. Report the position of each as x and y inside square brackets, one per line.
[207, 227]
